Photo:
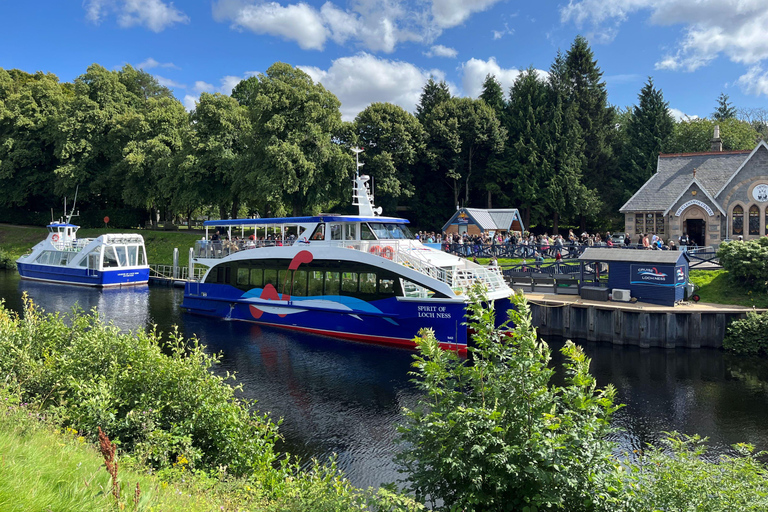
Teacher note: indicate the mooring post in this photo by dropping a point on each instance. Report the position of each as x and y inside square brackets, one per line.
[191, 275]
[175, 262]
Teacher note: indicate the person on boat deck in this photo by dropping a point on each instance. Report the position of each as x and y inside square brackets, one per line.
[215, 237]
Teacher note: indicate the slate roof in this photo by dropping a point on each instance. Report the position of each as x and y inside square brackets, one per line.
[632, 255]
[674, 175]
[490, 220]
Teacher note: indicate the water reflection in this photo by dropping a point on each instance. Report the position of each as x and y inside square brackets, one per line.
[342, 397]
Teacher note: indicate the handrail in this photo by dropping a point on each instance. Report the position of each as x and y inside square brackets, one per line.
[217, 249]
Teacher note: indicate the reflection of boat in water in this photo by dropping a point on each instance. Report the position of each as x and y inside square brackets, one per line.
[360, 277]
[108, 260]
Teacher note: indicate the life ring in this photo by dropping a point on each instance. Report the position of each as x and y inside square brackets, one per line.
[376, 249]
[55, 237]
[387, 252]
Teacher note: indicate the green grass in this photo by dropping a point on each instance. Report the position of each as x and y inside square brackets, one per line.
[718, 287]
[18, 240]
[42, 469]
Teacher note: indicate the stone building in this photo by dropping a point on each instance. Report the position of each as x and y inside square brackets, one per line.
[713, 196]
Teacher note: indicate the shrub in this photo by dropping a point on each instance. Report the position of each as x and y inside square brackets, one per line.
[677, 478]
[746, 261]
[748, 336]
[7, 262]
[495, 434]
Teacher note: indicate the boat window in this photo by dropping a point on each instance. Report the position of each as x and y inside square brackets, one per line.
[411, 289]
[336, 232]
[282, 280]
[43, 258]
[226, 276]
[65, 258]
[110, 258]
[270, 277]
[299, 283]
[388, 231]
[349, 282]
[133, 251]
[386, 286]
[332, 283]
[212, 275]
[319, 232]
[366, 233]
[122, 256]
[368, 283]
[315, 283]
[242, 276]
[257, 277]
[350, 231]
[142, 256]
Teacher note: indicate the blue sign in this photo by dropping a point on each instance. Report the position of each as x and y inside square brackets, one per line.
[657, 275]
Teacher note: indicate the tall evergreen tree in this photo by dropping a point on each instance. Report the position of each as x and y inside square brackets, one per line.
[595, 117]
[725, 109]
[496, 169]
[526, 113]
[648, 130]
[433, 94]
[563, 188]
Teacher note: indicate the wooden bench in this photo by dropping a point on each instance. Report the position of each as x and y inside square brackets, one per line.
[566, 286]
[542, 283]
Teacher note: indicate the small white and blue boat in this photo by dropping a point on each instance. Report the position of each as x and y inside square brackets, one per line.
[358, 277]
[108, 260]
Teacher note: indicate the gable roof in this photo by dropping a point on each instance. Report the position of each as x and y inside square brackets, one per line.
[489, 220]
[759, 145]
[698, 183]
[674, 175]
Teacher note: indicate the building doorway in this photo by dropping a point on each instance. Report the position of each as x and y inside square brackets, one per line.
[697, 231]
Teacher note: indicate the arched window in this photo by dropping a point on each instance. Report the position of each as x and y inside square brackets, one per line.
[766, 220]
[754, 220]
[738, 220]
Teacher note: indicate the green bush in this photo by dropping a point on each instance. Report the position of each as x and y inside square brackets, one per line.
[748, 336]
[159, 406]
[677, 478]
[494, 433]
[746, 261]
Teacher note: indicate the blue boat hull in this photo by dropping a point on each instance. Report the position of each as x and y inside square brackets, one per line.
[389, 321]
[83, 276]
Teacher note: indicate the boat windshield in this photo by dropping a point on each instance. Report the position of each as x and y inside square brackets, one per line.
[386, 231]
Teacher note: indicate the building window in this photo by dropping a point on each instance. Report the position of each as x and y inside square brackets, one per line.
[754, 220]
[738, 220]
[639, 223]
[649, 223]
[766, 220]
[659, 224]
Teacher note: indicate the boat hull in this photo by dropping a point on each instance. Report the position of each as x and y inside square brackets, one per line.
[390, 321]
[83, 276]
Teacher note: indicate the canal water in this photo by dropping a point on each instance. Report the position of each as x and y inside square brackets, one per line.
[345, 398]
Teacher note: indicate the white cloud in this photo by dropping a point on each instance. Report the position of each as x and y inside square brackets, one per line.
[679, 115]
[449, 13]
[441, 51]
[754, 81]
[735, 28]
[167, 82]
[474, 72]
[226, 84]
[363, 79]
[190, 101]
[151, 63]
[498, 34]
[156, 15]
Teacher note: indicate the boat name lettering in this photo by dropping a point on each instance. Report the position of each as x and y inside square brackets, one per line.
[433, 312]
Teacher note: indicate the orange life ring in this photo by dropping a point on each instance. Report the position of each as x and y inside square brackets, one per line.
[376, 249]
[387, 252]
[55, 237]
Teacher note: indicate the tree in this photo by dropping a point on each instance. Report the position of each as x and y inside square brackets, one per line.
[463, 133]
[433, 94]
[595, 117]
[497, 172]
[493, 433]
[493, 95]
[526, 116]
[725, 109]
[393, 140]
[695, 135]
[648, 129]
[295, 163]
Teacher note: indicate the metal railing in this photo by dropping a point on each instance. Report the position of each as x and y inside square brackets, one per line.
[177, 273]
[217, 249]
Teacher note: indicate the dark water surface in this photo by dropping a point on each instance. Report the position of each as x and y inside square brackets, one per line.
[345, 398]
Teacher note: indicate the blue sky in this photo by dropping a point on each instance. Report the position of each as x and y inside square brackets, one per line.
[366, 50]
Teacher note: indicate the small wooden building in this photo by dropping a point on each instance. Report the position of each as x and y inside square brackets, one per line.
[656, 277]
[474, 221]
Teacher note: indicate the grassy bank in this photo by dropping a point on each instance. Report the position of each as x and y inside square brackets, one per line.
[717, 286]
[18, 240]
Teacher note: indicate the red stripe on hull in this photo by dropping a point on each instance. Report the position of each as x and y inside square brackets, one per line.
[366, 338]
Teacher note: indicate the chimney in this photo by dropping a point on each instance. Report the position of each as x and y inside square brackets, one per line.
[717, 142]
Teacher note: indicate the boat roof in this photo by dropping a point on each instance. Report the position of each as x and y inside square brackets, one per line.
[61, 225]
[303, 220]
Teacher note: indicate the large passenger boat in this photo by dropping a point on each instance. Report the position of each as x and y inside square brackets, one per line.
[108, 260]
[359, 277]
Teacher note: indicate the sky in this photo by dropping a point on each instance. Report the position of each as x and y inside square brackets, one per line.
[367, 51]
